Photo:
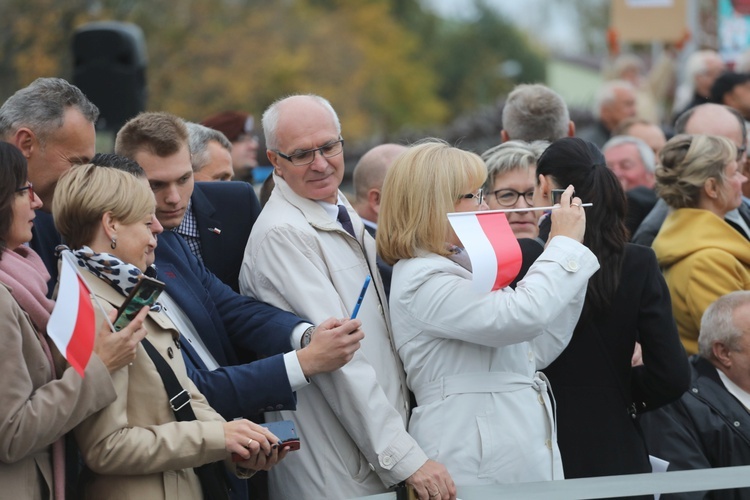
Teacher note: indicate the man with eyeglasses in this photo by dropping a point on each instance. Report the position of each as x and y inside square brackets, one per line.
[309, 252]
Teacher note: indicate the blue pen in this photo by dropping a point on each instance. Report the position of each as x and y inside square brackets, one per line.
[361, 297]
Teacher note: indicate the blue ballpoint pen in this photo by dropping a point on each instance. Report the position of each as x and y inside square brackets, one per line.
[361, 297]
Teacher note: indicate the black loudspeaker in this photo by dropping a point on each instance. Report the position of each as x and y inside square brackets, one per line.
[110, 68]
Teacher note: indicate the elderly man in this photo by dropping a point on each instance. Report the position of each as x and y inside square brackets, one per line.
[210, 154]
[535, 113]
[710, 119]
[309, 252]
[701, 71]
[614, 103]
[710, 425]
[631, 160]
[367, 181]
[52, 123]
[239, 128]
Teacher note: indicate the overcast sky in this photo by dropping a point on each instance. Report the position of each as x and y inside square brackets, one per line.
[554, 23]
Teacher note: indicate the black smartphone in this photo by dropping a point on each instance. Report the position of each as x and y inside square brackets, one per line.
[145, 293]
[284, 430]
[557, 194]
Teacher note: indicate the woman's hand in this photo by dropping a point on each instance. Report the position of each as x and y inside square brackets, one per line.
[265, 462]
[248, 439]
[117, 349]
[569, 219]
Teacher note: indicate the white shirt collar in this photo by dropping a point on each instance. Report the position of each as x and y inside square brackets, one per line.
[331, 209]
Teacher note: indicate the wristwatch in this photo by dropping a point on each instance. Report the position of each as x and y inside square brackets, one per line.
[306, 337]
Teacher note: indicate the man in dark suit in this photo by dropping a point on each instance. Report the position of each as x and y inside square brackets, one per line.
[710, 425]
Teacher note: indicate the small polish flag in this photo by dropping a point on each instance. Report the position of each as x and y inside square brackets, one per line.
[71, 325]
[492, 247]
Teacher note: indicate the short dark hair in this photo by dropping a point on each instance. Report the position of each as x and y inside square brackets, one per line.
[13, 173]
[112, 160]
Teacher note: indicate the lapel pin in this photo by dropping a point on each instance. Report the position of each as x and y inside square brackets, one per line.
[215, 230]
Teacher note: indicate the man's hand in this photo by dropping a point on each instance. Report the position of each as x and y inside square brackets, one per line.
[333, 345]
[432, 482]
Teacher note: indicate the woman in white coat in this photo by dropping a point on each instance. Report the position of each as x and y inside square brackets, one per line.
[471, 359]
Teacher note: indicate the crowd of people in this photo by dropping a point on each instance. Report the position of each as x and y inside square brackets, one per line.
[579, 368]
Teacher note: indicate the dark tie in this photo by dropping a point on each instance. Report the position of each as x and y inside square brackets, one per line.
[345, 220]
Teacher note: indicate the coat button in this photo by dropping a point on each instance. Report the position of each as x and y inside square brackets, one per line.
[279, 407]
[736, 424]
[572, 265]
[541, 399]
[170, 352]
[694, 390]
[548, 443]
[387, 461]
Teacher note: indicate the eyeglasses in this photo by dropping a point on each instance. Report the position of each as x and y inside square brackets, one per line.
[307, 157]
[741, 151]
[28, 187]
[509, 197]
[478, 196]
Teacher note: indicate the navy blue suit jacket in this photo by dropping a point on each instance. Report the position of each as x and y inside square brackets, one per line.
[44, 239]
[226, 320]
[231, 208]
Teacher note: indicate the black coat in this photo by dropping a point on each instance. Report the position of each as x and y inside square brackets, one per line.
[230, 208]
[707, 427]
[595, 388]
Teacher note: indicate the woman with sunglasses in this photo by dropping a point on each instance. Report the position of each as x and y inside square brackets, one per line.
[472, 359]
[40, 401]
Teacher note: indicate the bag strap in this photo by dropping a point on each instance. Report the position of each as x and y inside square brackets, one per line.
[179, 398]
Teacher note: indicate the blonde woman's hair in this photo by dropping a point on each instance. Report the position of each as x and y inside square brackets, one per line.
[86, 192]
[421, 187]
[687, 162]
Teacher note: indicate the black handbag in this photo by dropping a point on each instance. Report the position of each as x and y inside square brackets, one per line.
[212, 476]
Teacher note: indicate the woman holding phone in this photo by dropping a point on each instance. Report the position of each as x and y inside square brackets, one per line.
[137, 447]
[472, 359]
[39, 401]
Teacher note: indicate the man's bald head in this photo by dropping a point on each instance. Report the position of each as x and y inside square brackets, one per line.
[713, 119]
[368, 178]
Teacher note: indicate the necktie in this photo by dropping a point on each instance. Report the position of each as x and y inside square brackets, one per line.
[345, 220]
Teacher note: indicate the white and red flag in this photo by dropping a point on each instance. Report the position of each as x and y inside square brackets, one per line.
[72, 325]
[492, 247]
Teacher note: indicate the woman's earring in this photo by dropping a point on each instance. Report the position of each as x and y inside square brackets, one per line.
[114, 243]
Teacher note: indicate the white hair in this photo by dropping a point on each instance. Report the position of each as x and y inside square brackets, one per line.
[648, 158]
[608, 93]
[270, 118]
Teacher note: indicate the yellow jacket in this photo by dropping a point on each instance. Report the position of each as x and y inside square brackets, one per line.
[703, 258]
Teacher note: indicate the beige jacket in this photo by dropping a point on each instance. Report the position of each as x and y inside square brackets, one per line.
[134, 447]
[34, 409]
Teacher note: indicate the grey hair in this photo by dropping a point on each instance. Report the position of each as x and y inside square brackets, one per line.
[510, 156]
[270, 118]
[648, 158]
[198, 139]
[717, 323]
[535, 112]
[41, 107]
[696, 64]
[606, 94]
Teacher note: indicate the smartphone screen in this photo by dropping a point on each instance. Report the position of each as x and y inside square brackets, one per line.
[145, 293]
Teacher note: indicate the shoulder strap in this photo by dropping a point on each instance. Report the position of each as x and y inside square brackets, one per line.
[179, 398]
